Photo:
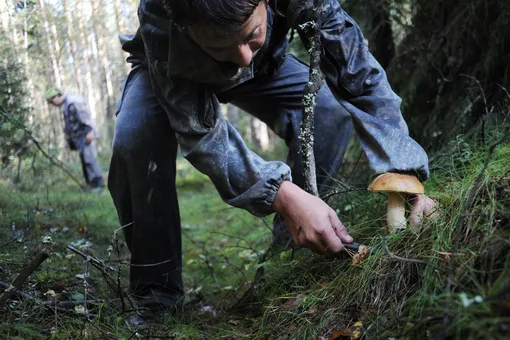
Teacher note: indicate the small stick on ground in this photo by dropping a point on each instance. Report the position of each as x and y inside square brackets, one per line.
[23, 276]
[98, 264]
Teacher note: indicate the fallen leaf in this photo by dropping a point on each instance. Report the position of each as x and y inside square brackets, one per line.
[352, 333]
[341, 334]
[50, 292]
[47, 239]
[78, 297]
[81, 229]
[356, 330]
[79, 309]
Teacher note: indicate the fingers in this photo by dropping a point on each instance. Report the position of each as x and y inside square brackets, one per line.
[330, 241]
[321, 240]
[422, 206]
[339, 228]
[432, 209]
[328, 236]
[314, 225]
[416, 213]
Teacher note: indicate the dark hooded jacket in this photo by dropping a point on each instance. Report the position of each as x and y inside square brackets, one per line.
[187, 82]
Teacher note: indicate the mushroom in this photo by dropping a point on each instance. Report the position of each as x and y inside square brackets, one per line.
[396, 185]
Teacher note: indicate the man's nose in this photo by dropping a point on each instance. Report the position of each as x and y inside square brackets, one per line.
[243, 55]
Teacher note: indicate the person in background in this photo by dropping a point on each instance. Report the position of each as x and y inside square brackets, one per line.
[80, 133]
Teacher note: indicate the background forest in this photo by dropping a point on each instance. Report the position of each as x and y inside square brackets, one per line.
[449, 60]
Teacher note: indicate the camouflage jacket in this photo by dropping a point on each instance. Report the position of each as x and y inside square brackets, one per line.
[78, 121]
[187, 82]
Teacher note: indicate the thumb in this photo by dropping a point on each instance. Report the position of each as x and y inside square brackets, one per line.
[339, 228]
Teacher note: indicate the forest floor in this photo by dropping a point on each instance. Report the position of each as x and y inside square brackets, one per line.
[451, 279]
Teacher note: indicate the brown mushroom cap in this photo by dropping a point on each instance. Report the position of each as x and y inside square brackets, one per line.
[392, 182]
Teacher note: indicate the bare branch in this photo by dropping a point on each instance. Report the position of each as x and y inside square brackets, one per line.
[311, 29]
[23, 276]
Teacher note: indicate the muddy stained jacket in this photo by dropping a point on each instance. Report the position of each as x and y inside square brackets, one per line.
[187, 82]
[78, 121]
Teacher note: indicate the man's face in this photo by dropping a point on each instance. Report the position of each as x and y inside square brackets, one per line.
[241, 46]
[56, 101]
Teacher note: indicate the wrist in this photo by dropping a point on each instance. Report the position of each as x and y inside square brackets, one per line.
[281, 199]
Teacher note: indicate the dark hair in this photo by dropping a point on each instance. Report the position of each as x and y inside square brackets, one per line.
[224, 16]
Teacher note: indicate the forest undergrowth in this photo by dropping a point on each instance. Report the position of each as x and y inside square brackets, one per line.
[448, 280]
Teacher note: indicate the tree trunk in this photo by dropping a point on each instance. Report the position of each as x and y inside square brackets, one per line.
[451, 46]
[57, 81]
[74, 46]
[121, 28]
[259, 133]
[133, 9]
[58, 49]
[28, 62]
[232, 114]
[380, 39]
[85, 58]
[105, 63]
[4, 12]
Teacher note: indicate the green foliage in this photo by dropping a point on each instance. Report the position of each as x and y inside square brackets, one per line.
[301, 295]
[13, 104]
[465, 250]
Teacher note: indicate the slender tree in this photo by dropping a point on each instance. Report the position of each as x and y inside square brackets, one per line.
[106, 65]
[74, 46]
[52, 51]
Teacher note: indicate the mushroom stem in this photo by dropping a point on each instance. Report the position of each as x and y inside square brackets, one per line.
[396, 213]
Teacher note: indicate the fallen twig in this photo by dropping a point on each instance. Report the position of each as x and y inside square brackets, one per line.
[336, 192]
[17, 292]
[95, 262]
[408, 259]
[23, 276]
[62, 304]
[99, 265]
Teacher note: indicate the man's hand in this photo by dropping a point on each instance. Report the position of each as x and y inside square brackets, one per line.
[422, 207]
[90, 137]
[311, 222]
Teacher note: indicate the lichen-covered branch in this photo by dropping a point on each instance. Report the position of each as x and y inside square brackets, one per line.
[311, 30]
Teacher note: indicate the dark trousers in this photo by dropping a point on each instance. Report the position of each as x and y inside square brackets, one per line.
[90, 166]
[142, 170]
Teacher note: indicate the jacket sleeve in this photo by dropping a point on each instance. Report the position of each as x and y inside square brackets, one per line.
[212, 145]
[361, 86]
